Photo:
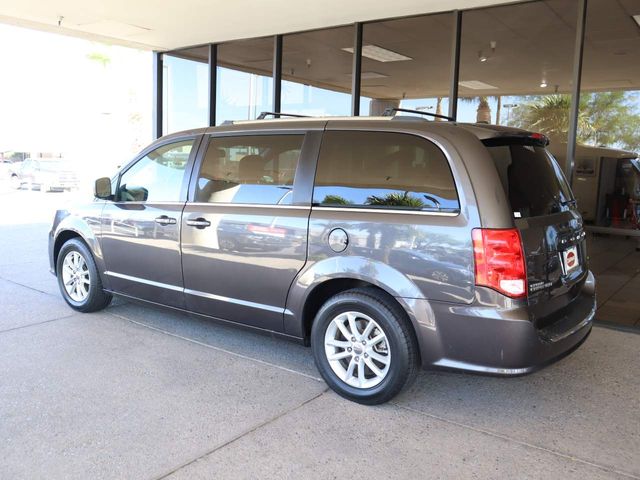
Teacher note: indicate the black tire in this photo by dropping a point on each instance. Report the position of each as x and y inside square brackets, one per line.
[403, 346]
[97, 298]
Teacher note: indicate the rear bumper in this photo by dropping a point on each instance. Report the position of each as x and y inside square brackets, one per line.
[502, 340]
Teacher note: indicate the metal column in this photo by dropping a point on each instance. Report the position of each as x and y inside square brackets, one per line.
[213, 80]
[455, 64]
[157, 95]
[277, 73]
[575, 91]
[356, 70]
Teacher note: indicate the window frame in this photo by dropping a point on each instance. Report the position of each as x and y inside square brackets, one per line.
[395, 210]
[302, 179]
[197, 140]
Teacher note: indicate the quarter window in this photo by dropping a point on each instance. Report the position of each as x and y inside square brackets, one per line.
[383, 170]
[158, 176]
[249, 169]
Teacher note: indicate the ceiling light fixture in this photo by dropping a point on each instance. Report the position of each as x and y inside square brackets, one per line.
[543, 84]
[369, 75]
[380, 54]
[484, 57]
[476, 85]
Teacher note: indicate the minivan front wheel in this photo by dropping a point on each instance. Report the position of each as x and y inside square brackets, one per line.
[78, 278]
[363, 346]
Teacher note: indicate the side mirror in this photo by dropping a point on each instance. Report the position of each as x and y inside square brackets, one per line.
[102, 188]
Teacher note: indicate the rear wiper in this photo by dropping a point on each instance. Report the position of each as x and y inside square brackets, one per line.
[557, 199]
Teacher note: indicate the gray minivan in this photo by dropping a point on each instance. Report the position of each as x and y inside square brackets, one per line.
[384, 243]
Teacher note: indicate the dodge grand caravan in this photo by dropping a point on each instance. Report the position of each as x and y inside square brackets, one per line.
[384, 243]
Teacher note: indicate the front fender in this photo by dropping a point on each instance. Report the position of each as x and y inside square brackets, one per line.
[371, 271]
[83, 222]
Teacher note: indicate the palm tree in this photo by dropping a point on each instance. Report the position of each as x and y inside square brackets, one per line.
[335, 200]
[604, 118]
[483, 113]
[549, 114]
[396, 199]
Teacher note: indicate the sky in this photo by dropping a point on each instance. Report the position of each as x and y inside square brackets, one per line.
[55, 99]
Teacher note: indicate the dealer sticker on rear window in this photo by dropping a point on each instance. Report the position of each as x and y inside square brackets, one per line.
[570, 260]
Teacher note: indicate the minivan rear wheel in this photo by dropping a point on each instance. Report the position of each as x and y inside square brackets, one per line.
[78, 278]
[363, 346]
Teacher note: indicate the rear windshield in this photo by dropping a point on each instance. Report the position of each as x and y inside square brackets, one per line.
[532, 180]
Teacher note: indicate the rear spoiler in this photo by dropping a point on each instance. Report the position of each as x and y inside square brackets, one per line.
[517, 138]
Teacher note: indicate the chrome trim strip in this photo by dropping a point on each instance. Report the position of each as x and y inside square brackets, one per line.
[139, 202]
[198, 293]
[390, 210]
[458, 365]
[145, 281]
[248, 205]
[236, 301]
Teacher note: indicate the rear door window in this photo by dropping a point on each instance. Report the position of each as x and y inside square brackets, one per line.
[532, 180]
[248, 169]
[383, 170]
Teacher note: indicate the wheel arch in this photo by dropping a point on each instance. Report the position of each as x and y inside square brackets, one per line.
[63, 237]
[322, 292]
[323, 279]
[68, 226]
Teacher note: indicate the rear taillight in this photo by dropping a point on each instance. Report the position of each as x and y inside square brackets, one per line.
[500, 260]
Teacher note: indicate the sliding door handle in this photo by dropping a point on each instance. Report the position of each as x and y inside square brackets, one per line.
[199, 222]
[165, 220]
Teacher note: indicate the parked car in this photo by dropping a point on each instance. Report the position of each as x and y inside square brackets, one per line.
[48, 174]
[384, 243]
[8, 173]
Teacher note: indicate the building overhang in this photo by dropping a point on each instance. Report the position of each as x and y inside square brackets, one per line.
[169, 25]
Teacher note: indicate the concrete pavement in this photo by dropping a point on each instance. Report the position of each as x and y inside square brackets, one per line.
[137, 392]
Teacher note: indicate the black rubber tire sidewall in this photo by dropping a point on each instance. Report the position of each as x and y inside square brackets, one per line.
[394, 325]
[97, 298]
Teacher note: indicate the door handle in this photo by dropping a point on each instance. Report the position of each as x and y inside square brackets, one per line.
[165, 220]
[198, 222]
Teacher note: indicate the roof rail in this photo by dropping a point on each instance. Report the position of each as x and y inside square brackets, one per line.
[389, 112]
[264, 115]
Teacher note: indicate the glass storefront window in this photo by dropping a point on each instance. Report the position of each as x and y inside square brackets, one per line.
[516, 66]
[610, 89]
[606, 176]
[245, 84]
[407, 63]
[316, 72]
[365, 105]
[185, 94]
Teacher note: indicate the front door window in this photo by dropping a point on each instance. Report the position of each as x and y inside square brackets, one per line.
[158, 176]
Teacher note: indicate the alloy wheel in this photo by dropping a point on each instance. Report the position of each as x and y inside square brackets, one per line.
[357, 349]
[75, 276]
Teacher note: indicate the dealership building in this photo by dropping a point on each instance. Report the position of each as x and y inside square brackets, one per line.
[561, 67]
[567, 68]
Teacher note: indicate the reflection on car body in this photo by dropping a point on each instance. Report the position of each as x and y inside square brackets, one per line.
[384, 243]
